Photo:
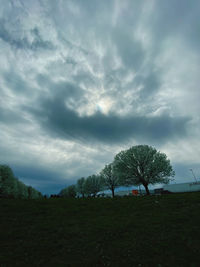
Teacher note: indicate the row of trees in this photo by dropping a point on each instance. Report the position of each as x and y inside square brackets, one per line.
[89, 186]
[11, 187]
[139, 165]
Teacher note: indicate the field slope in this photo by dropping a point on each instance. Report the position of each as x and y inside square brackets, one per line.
[130, 231]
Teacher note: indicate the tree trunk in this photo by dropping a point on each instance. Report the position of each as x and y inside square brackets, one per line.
[147, 189]
[113, 192]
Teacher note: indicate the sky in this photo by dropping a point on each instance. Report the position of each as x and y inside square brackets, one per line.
[82, 80]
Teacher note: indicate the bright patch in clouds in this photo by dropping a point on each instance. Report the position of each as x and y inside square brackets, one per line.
[104, 106]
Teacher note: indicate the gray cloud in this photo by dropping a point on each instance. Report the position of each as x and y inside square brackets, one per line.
[183, 173]
[65, 123]
[175, 19]
[149, 84]
[130, 50]
[16, 83]
[45, 181]
[20, 41]
[10, 117]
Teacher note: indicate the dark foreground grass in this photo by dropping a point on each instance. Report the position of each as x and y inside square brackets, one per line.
[130, 231]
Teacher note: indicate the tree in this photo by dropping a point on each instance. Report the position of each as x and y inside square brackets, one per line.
[80, 186]
[93, 184]
[69, 191]
[7, 182]
[22, 190]
[33, 193]
[11, 187]
[144, 165]
[110, 178]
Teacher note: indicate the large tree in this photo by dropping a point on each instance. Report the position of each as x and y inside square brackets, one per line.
[109, 178]
[144, 165]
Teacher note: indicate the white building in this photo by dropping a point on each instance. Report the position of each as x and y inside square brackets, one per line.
[183, 187]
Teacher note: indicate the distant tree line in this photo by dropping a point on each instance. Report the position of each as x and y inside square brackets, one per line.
[138, 165]
[11, 187]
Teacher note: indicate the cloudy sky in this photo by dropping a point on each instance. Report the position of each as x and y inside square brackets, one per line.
[82, 80]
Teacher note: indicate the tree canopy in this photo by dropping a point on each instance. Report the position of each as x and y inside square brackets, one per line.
[69, 191]
[93, 184]
[11, 187]
[110, 178]
[144, 165]
[80, 186]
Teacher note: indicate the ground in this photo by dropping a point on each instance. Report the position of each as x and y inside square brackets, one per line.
[130, 231]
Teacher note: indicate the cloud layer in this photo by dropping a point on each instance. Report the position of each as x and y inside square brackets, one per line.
[82, 80]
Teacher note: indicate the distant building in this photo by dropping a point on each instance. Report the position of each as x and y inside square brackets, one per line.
[128, 192]
[119, 193]
[183, 187]
[124, 193]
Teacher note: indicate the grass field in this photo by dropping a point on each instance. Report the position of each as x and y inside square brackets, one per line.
[131, 231]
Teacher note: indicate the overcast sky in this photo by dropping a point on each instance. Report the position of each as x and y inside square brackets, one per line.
[82, 80]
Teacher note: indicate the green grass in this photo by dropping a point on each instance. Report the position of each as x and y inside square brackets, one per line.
[130, 231]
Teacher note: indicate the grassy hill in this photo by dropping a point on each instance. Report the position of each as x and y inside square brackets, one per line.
[131, 231]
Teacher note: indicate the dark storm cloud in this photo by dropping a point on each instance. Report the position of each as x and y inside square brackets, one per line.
[17, 40]
[64, 123]
[67, 90]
